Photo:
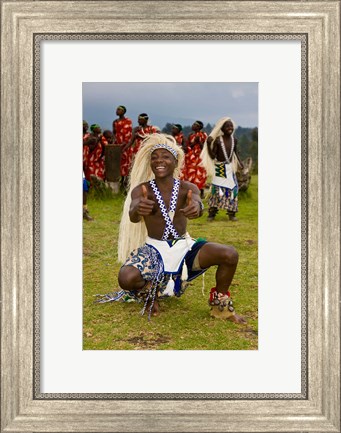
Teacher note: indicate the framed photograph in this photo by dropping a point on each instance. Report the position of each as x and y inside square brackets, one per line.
[291, 381]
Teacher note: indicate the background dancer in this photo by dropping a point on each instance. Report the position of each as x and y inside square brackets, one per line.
[193, 171]
[122, 129]
[220, 158]
[178, 135]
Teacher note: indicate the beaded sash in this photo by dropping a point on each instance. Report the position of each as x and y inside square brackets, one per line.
[167, 215]
[222, 145]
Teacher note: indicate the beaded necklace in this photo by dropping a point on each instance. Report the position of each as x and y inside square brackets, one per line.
[143, 131]
[222, 145]
[168, 215]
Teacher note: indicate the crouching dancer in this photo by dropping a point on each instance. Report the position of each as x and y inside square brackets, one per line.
[162, 257]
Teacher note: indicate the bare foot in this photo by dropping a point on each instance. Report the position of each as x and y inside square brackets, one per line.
[155, 310]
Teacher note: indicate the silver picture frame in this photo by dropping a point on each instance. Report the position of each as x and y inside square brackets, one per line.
[317, 26]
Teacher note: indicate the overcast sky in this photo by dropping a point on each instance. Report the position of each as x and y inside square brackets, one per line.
[172, 102]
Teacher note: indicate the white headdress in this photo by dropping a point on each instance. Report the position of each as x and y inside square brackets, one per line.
[207, 161]
[133, 235]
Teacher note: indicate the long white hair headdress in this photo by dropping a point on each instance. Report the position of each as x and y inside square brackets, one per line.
[206, 161]
[133, 235]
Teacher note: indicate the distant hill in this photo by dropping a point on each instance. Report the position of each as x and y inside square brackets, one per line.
[248, 144]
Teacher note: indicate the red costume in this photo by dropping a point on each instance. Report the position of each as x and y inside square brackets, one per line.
[192, 171]
[180, 139]
[123, 129]
[93, 160]
[140, 134]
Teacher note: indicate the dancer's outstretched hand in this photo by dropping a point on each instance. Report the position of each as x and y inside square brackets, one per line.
[192, 208]
[145, 206]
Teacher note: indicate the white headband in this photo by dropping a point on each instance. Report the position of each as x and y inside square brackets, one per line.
[167, 147]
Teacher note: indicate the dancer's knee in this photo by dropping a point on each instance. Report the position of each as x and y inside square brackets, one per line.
[230, 255]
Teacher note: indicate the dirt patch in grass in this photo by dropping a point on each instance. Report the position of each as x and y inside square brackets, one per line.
[148, 341]
[249, 331]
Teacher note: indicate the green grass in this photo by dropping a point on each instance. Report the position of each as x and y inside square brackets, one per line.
[184, 323]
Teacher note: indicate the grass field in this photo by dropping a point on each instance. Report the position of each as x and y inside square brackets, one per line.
[184, 323]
